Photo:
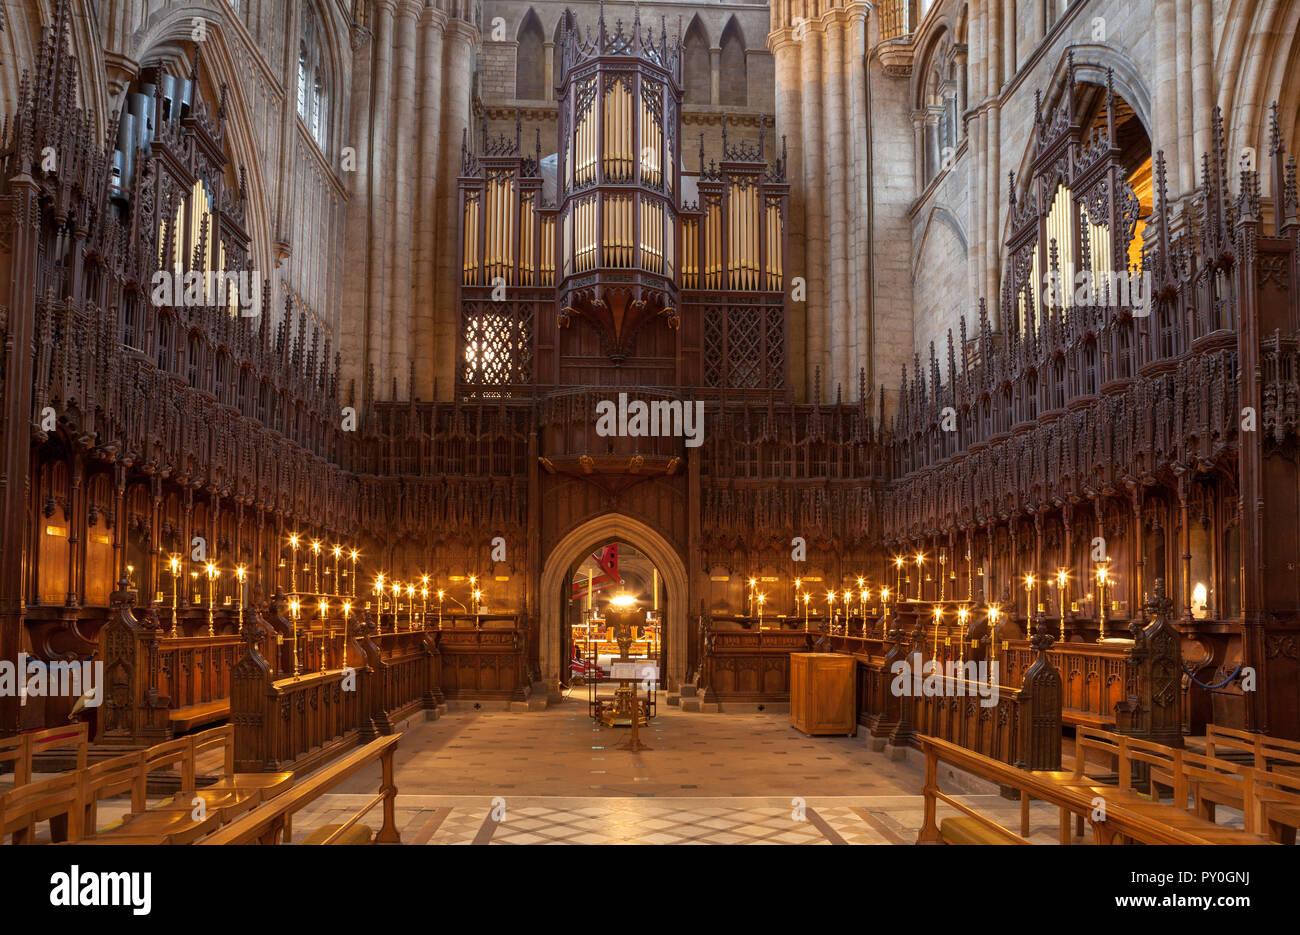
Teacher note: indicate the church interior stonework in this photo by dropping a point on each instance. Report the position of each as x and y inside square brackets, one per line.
[681, 421]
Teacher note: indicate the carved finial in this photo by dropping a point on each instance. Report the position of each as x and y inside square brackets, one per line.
[1158, 605]
[1041, 641]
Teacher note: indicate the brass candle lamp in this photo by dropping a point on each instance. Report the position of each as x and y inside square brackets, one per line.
[324, 631]
[920, 565]
[1062, 586]
[293, 574]
[174, 563]
[938, 618]
[1103, 579]
[343, 644]
[338, 582]
[212, 573]
[353, 583]
[994, 613]
[898, 574]
[240, 574]
[962, 614]
[315, 566]
[294, 612]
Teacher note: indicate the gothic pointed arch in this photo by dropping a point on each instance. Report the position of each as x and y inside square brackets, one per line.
[733, 77]
[697, 77]
[530, 62]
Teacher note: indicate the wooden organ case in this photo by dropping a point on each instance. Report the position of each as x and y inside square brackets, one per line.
[637, 274]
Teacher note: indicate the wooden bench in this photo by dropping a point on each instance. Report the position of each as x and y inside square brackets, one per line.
[1186, 774]
[22, 749]
[1078, 717]
[1128, 816]
[267, 785]
[1271, 754]
[1277, 803]
[196, 715]
[270, 822]
[56, 800]
[172, 822]
[180, 753]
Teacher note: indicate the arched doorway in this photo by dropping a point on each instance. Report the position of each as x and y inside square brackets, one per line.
[555, 585]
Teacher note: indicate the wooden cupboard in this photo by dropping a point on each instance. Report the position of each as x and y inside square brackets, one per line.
[822, 693]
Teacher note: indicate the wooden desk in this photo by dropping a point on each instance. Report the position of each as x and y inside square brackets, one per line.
[822, 693]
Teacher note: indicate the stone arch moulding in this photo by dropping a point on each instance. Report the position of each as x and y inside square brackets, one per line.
[168, 35]
[1090, 64]
[938, 214]
[586, 537]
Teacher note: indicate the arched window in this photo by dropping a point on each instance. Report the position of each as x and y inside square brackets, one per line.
[530, 66]
[733, 83]
[939, 106]
[313, 93]
[696, 74]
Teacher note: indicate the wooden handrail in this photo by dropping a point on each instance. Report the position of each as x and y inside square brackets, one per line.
[264, 824]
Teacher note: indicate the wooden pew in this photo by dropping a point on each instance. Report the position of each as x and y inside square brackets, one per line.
[1128, 816]
[266, 785]
[22, 749]
[1271, 754]
[1277, 806]
[173, 822]
[271, 821]
[180, 753]
[56, 800]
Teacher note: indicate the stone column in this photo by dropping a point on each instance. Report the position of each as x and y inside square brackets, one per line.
[920, 140]
[975, 150]
[381, 170]
[839, 302]
[993, 150]
[353, 338]
[789, 108]
[858, 127]
[1008, 40]
[1165, 104]
[1203, 90]
[424, 299]
[1186, 119]
[814, 185]
[715, 69]
[458, 45]
[403, 186]
[933, 157]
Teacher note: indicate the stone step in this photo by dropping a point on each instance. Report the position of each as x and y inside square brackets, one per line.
[689, 690]
[691, 704]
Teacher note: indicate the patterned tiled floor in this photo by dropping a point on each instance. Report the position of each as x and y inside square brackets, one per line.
[564, 820]
[553, 778]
